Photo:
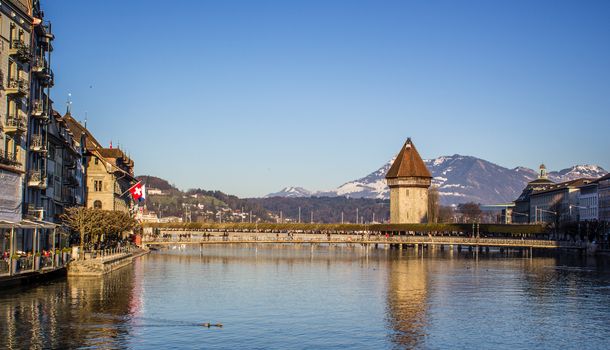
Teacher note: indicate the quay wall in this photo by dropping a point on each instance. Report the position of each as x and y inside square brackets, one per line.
[102, 265]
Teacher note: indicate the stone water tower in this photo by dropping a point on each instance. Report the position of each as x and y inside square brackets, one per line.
[409, 180]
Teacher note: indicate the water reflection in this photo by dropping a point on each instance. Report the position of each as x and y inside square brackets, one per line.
[322, 297]
[406, 300]
[70, 313]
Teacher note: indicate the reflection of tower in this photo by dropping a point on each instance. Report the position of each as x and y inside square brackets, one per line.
[408, 179]
[407, 298]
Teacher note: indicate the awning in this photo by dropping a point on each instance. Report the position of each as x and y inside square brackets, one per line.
[8, 224]
[27, 224]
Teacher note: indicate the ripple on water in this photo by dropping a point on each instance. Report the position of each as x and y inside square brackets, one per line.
[273, 297]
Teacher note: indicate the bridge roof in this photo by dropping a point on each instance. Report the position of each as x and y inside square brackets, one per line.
[408, 163]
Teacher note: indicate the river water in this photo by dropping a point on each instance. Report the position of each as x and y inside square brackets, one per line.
[298, 297]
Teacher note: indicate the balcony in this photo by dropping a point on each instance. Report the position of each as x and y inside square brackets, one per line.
[8, 158]
[39, 110]
[39, 65]
[18, 87]
[20, 51]
[33, 212]
[37, 144]
[14, 125]
[70, 164]
[37, 179]
[47, 78]
[46, 37]
[70, 181]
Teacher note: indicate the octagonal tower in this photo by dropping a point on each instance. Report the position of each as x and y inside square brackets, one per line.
[409, 180]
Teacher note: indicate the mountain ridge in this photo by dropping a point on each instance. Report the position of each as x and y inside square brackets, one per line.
[460, 179]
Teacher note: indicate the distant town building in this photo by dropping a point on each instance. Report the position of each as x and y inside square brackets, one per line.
[603, 191]
[409, 180]
[588, 201]
[155, 191]
[557, 203]
[168, 219]
[521, 210]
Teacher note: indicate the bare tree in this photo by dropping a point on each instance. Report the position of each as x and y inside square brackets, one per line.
[445, 214]
[470, 211]
[433, 204]
[83, 220]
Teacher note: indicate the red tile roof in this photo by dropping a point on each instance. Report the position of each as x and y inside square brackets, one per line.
[408, 163]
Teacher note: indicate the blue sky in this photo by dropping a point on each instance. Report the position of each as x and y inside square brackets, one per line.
[250, 96]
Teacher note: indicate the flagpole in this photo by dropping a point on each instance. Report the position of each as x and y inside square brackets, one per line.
[129, 189]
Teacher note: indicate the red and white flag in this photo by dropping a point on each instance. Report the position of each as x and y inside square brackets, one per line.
[138, 192]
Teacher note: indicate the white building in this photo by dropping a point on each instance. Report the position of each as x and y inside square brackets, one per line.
[588, 202]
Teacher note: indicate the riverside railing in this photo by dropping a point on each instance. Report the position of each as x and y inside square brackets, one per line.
[104, 253]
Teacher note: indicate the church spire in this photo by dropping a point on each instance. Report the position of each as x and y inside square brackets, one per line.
[69, 104]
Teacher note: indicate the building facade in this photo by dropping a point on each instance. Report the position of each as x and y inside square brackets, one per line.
[25, 80]
[558, 203]
[603, 191]
[109, 177]
[15, 32]
[409, 180]
[521, 211]
[588, 201]
[108, 172]
[39, 117]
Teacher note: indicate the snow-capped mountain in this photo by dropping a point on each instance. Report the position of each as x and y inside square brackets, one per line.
[459, 179]
[577, 172]
[291, 192]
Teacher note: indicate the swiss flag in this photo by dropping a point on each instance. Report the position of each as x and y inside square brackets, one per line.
[138, 192]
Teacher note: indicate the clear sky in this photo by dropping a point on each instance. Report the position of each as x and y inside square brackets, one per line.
[251, 96]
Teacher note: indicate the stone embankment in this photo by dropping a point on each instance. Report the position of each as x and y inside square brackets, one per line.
[103, 264]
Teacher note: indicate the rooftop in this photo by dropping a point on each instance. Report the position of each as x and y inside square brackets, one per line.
[408, 163]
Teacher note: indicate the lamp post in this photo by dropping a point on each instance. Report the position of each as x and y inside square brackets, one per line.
[578, 218]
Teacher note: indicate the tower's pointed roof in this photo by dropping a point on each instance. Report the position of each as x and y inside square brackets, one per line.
[408, 163]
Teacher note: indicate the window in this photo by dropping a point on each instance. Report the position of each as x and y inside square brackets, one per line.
[97, 204]
[97, 161]
[12, 33]
[97, 185]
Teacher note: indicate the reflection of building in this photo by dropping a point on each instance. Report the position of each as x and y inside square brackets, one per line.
[407, 301]
[49, 317]
[409, 180]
